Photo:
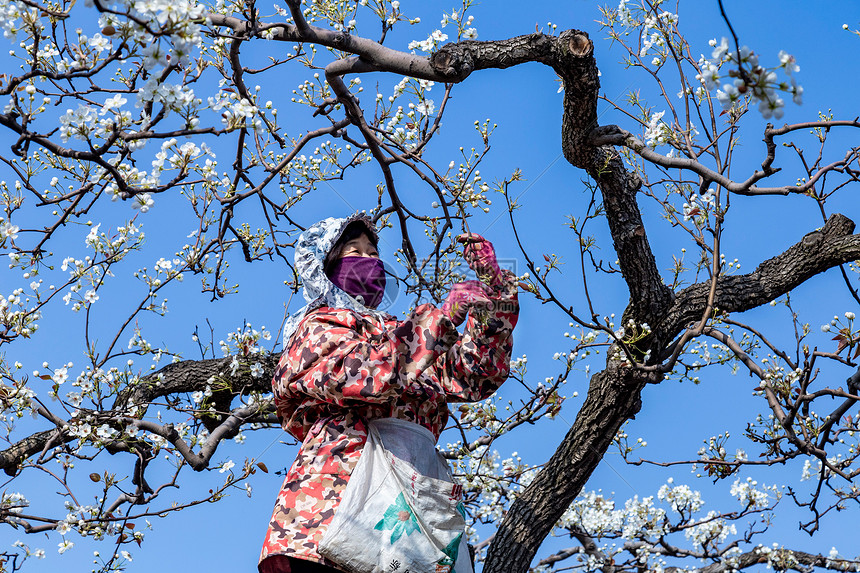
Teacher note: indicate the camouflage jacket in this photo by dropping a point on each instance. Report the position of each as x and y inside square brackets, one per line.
[342, 368]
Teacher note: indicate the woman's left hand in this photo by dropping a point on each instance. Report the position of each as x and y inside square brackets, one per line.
[481, 256]
[463, 297]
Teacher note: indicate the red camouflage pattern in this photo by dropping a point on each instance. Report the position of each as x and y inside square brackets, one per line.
[342, 368]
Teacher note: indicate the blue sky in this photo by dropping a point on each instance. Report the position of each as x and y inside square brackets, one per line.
[524, 102]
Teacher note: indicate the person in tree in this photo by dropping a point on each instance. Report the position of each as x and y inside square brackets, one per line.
[345, 363]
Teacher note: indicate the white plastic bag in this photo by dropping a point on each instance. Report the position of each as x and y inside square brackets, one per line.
[401, 511]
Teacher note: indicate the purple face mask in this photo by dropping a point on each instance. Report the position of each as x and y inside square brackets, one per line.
[361, 277]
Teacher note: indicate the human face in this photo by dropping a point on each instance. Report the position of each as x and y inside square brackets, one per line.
[359, 247]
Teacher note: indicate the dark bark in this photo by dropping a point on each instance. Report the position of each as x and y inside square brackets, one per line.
[614, 394]
[755, 557]
[192, 375]
[13, 456]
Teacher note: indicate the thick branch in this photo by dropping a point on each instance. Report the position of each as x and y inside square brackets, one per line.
[649, 297]
[176, 378]
[452, 63]
[12, 456]
[193, 375]
[816, 252]
[757, 556]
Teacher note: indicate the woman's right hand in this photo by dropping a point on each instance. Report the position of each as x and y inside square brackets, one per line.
[463, 297]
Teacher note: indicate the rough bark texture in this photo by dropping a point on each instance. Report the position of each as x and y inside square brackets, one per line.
[457, 61]
[613, 395]
[193, 375]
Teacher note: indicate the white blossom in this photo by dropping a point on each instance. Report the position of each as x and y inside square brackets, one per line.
[78, 123]
[427, 107]
[112, 103]
[8, 230]
[99, 43]
[60, 375]
[142, 201]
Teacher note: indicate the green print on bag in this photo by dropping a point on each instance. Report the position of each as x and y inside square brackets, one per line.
[399, 519]
[451, 552]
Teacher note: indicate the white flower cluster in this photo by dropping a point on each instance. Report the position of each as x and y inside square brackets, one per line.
[137, 179]
[657, 132]
[641, 517]
[37, 553]
[466, 184]
[496, 483]
[179, 25]
[649, 525]
[807, 473]
[653, 31]
[180, 19]
[700, 207]
[519, 364]
[481, 415]
[13, 502]
[681, 498]
[625, 16]
[428, 45]
[465, 31]
[90, 271]
[244, 341]
[236, 110]
[702, 351]
[752, 496]
[751, 78]
[837, 322]
[656, 27]
[173, 97]
[18, 398]
[405, 123]
[79, 123]
[595, 513]
[709, 531]
[18, 314]
[10, 12]
[182, 157]
[8, 231]
[85, 520]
